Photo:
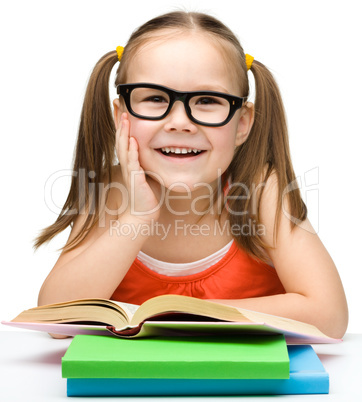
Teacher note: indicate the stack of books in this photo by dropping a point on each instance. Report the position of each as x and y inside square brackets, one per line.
[235, 352]
[161, 366]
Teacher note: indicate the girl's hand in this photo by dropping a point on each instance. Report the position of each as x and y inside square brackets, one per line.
[142, 202]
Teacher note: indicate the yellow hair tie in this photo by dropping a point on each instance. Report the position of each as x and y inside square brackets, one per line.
[249, 61]
[120, 50]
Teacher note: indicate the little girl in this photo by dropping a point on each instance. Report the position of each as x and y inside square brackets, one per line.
[199, 202]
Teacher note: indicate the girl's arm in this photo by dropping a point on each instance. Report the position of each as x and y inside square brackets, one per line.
[314, 291]
[96, 266]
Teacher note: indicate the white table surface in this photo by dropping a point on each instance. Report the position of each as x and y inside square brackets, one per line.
[30, 370]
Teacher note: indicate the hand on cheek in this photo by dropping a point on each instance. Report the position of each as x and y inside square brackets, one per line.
[142, 202]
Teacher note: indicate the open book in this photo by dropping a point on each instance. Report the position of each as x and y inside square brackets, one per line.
[161, 315]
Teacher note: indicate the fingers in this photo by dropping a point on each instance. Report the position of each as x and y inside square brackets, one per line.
[127, 149]
[122, 139]
[141, 197]
[133, 161]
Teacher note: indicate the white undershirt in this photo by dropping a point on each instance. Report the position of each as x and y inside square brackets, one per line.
[189, 268]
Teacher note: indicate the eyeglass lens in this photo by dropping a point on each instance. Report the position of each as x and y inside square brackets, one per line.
[149, 102]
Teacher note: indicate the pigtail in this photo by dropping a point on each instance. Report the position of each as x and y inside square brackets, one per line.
[265, 152]
[94, 156]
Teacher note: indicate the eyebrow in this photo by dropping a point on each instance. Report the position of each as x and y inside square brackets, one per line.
[197, 88]
[213, 87]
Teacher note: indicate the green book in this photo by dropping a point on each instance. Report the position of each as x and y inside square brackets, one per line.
[202, 357]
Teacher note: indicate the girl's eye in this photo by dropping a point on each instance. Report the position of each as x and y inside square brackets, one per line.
[207, 100]
[156, 99]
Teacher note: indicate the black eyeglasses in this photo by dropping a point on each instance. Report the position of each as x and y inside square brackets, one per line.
[154, 102]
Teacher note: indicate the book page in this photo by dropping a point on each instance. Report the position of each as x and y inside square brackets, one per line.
[187, 305]
[224, 312]
[91, 310]
[285, 324]
[129, 308]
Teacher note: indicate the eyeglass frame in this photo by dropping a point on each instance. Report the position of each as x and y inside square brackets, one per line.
[235, 102]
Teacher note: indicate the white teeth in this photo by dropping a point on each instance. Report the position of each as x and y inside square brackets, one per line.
[180, 150]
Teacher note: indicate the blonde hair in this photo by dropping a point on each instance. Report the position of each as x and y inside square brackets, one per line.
[266, 150]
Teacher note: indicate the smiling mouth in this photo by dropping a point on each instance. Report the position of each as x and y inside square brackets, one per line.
[180, 152]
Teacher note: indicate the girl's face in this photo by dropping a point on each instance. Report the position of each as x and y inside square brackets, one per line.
[187, 62]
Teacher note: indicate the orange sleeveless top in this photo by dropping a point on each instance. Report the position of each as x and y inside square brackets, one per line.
[235, 276]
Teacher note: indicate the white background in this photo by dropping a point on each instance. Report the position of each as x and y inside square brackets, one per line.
[48, 49]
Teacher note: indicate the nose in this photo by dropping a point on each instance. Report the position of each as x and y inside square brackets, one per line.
[178, 121]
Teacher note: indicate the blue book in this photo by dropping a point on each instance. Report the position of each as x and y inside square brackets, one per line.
[307, 376]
